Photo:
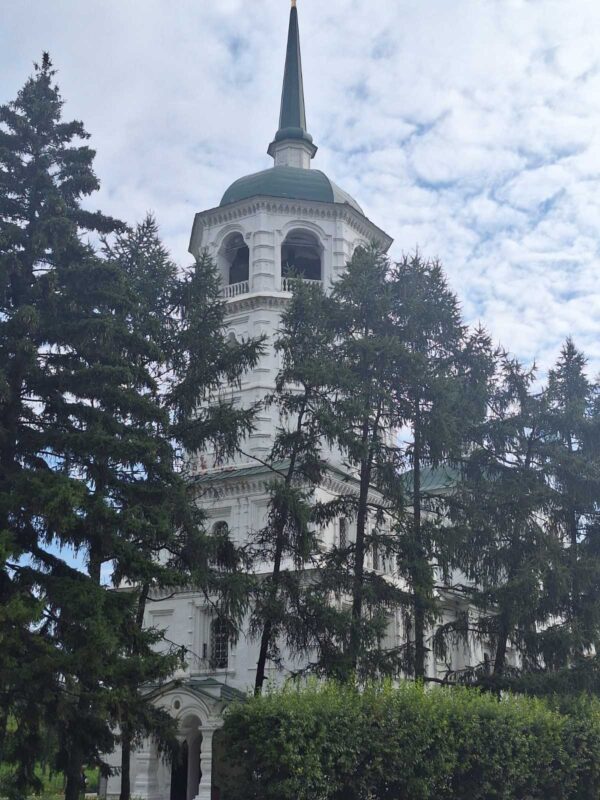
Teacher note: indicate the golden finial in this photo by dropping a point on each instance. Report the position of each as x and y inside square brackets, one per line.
[293, 3]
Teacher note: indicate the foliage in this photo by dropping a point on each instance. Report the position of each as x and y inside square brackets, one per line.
[385, 350]
[52, 783]
[111, 364]
[54, 296]
[524, 528]
[331, 742]
[290, 539]
[572, 465]
[502, 550]
[442, 395]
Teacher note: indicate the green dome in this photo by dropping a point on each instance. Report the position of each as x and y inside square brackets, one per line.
[292, 183]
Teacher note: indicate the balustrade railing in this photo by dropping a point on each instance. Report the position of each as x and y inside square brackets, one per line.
[243, 287]
[287, 284]
[235, 289]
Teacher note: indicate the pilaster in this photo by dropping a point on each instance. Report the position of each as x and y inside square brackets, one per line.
[146, 785]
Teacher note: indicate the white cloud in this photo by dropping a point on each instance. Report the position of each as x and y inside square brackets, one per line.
[470, 129]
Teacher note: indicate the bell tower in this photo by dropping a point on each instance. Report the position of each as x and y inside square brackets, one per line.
[287, 217]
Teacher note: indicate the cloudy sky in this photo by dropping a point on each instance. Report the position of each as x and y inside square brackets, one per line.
[470, 129]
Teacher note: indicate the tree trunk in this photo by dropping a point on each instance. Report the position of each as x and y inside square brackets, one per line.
[359, 556]
[125, 765]
[502, 645]
[281, 521]
[573, 536]
[265, 639]
[4, 706]
[369, 437]
[73, 772]
[418, 582]
[126, 735]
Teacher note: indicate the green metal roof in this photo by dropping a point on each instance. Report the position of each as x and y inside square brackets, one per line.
[434, 480]
[292, 113]
[292, 183]
[241, 472]
[209, 687]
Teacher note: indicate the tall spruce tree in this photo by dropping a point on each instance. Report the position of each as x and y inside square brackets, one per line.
[335, 395]
[442, 394]
[506, 555]
[371, 356]
[573, 470]
[44, 174]
[526, 514]
[106, 362]
[290, 540]
[156, 539]
[360, 420]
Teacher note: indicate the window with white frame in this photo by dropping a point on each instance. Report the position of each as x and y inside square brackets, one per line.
[219, 644]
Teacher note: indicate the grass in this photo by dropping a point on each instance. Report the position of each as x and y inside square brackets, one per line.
[54, 784]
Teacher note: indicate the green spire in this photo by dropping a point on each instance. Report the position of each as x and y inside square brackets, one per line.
[292, 116]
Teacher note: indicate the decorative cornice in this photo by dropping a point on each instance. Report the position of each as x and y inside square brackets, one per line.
[337, 485]
[232, 484]
[303, 209]
[254, 300]
[237, 487]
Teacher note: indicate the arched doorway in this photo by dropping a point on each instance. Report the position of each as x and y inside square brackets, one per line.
[185, 771]
[179, 774]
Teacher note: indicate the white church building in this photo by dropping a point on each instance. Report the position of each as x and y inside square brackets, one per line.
[289, 213]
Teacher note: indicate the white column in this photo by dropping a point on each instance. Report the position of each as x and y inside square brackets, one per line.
[205, 765]
[146, 780]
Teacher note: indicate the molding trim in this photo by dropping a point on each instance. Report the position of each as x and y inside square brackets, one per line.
[256, 300]
[302, 209]
[231, 484]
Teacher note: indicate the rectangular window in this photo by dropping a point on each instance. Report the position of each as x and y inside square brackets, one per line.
[375, 557]
[219, 645]
[343, 533]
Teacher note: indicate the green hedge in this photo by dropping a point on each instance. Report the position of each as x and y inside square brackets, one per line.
[327, 742]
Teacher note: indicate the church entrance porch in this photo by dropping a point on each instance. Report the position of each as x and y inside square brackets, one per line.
[188, 777]
[198, 707]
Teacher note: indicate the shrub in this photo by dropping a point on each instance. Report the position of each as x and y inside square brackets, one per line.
[332, 742]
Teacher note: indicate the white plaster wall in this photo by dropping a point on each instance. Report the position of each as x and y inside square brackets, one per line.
[264, 227]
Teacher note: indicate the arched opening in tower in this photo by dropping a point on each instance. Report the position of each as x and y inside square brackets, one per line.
[237, 259]
[301, 256]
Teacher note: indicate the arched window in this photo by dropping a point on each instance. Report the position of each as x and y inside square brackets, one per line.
[221, 528]
[301, 256]
[237, 259]
[219, 644]
[376, 562]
